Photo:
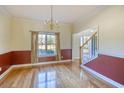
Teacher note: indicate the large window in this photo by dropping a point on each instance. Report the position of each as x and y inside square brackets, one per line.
[46, 44]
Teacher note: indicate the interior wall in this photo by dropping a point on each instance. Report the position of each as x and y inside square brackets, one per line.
[21, 40]
[76, 41]
[21, 35]
[75, 46]
[5, 40]
[111, 30]
[5, 31]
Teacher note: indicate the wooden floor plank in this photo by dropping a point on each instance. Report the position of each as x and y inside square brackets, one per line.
[63, 75]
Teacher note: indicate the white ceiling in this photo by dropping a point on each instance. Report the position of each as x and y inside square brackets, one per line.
[62, 13]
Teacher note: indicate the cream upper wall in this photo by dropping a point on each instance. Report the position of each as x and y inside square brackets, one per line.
[111, 30]
[75, 46]
[21, 35]
[5, 31]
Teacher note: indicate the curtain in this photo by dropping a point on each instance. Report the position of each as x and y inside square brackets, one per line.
[34, 47]
[58, 57]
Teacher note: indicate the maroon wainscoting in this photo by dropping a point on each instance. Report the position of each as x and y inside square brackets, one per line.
[112, 67]
[21, 57]
[66, 53]
[24, 57]
[5, 61]
[4, 68]
[44, 59]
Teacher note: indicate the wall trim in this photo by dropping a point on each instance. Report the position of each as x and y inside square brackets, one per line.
[28, 65]
[6, 72]
[42, 63]
[102, 77]
[112, 55]
[5, 52]
[75, 58]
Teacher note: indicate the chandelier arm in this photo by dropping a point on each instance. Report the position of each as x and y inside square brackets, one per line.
[50, 23]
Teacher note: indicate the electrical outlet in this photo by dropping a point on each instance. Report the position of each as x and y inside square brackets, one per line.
[0, 68]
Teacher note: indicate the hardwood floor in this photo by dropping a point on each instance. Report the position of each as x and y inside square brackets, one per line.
[62, 75]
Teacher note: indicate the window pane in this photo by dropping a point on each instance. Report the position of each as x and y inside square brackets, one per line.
[41, 44]
[51, 44]
[41, 41]
[47, 44]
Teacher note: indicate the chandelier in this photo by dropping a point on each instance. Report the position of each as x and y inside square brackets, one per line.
[50, 23]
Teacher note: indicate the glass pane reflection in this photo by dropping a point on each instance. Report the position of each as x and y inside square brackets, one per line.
[47, 80]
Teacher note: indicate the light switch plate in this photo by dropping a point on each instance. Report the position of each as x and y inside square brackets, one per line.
[0, 69]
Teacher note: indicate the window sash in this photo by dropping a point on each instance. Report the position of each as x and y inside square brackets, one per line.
[48, 45]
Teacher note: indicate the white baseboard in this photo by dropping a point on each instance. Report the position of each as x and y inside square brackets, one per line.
[28, 65]
[6, 72]
[42, 63]
[102, 77]
[75, 57]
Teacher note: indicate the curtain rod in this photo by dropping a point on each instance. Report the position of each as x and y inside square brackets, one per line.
[43, 31]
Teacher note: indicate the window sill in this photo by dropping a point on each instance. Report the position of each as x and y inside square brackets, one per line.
[48, 56]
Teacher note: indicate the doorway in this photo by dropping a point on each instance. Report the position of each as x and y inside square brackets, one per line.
[89, 50]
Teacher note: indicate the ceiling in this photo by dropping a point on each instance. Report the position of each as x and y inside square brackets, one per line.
[61, 13]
